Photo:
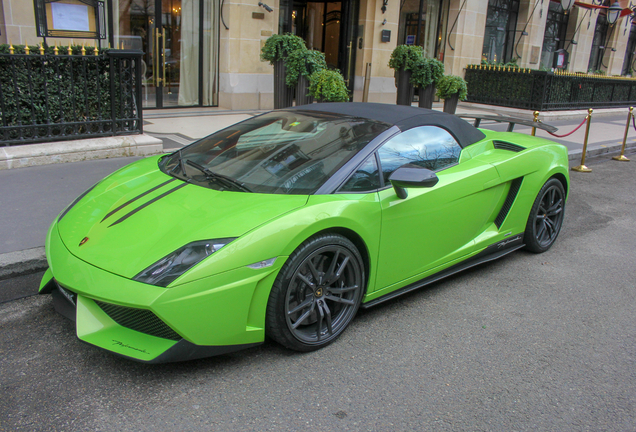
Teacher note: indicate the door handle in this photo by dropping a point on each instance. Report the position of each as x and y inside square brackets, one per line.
[163, 55]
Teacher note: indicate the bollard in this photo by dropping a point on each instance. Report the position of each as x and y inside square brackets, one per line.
[622, 157]
[536, 119]
[582, 167]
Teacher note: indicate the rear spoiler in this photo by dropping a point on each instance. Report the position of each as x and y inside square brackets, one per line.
[512, 121]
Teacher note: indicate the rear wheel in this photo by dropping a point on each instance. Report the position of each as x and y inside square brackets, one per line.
[316, 294]
[546, 217]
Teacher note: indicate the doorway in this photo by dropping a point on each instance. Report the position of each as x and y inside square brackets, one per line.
[179, 39]
[326, 26]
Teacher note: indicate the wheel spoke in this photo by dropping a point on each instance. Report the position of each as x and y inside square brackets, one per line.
[555, 206]
[342, 290]
[344, 263]
[314, 271]
[301, 306]
[541, 230]
[332, 267]
[319, 325]
[340, 300]
[327, 316]
[306, 281]
[303, 317]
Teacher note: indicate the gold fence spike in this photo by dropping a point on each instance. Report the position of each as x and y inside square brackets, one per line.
[41, 49]
[55, 50]
[11, 49]
[96, 51]
[69, 50]
[27, 50]
[83, 50]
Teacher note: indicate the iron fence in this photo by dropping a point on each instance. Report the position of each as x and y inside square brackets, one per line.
[53, 97]
[547, 91]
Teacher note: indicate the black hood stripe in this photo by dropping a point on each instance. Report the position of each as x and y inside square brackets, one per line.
[123, 218]
[136, 198]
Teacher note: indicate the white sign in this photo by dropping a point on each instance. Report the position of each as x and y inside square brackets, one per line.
[72, 17]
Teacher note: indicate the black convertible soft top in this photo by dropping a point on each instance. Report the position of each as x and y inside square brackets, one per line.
[404, 117]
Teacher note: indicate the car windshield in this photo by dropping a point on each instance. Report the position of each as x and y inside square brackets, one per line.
[283, 152]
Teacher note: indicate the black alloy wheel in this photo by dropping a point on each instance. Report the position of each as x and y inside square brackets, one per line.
[546, 217]
[316, 294]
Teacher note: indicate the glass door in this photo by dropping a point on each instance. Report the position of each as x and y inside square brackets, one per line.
[169, 33]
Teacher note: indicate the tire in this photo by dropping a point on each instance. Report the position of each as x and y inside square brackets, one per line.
[546, 217]
[316, 294]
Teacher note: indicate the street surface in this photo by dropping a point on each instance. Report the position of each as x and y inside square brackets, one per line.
[527, 343]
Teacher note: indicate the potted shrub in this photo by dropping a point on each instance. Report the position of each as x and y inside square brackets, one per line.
[328, 86]
[403, 60]
[451, 88]
[300, 65]
[276, 50]
[425, 76]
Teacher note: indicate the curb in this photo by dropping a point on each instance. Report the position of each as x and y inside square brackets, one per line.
[23, 262]
[597, 151]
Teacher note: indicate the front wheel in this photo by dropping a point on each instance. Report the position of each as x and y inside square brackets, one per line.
[316, 294]
[546, 217]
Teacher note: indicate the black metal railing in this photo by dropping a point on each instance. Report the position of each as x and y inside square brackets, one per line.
[56, 97]
[547, 91]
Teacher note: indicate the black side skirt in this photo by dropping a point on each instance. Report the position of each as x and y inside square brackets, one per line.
[491, 253]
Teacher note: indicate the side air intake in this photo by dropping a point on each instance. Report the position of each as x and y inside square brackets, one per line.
[502, 145]
[512, 194]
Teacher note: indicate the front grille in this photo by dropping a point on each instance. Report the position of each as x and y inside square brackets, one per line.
[502, 145]
[141, 320]
[512, 194]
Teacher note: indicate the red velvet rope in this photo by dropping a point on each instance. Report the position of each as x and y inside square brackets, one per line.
[633, 123]
[577, 128]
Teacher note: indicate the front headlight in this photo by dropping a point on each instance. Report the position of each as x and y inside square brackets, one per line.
[178, 262]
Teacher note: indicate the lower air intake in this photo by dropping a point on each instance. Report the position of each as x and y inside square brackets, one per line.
[141, 320]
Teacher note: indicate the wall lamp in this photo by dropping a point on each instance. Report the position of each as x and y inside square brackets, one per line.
[267, 8]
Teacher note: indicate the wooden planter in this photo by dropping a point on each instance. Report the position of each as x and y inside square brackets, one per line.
[404, 87]
[427, 94]
[283, 95]
[450, 104]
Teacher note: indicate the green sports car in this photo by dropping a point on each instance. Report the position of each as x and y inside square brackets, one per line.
[285, 224]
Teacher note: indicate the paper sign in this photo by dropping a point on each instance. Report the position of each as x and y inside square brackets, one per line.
[72, 17]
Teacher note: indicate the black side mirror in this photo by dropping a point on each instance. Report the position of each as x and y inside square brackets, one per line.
[411, 175]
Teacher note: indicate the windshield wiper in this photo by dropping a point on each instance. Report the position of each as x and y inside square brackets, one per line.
[219, 177]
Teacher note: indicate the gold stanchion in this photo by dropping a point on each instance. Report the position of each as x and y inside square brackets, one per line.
[622, 157]
[535, 120]
[582, 167]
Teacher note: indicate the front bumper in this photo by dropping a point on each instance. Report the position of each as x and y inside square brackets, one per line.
[210, 316]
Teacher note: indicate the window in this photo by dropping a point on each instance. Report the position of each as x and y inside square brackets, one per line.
[499, 35]
[365, 178]
[427, 146]
[598, 44]
[555, 33]
[628, 62]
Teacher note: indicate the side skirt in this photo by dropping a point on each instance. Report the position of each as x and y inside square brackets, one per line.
[491, 253]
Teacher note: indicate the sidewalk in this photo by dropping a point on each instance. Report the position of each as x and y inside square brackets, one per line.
[30, 198]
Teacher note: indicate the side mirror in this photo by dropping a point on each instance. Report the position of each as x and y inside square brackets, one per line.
[411, 176]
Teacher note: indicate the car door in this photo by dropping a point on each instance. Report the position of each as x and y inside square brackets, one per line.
[432, 226]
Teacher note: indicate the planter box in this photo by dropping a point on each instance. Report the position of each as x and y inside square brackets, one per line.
[427, 94]
[404, 87]
[450, 104]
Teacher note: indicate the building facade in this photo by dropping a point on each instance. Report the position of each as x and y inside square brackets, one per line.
[207, 52]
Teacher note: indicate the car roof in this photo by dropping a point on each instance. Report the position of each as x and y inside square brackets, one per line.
[404, 117]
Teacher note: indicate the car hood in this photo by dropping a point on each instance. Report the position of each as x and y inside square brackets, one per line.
[138, 215]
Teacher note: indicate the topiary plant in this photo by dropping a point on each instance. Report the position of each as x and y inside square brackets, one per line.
[426, 72]
[303, 62]
[280, 46]
[406, 57]
[328, 86]
[450, 85]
